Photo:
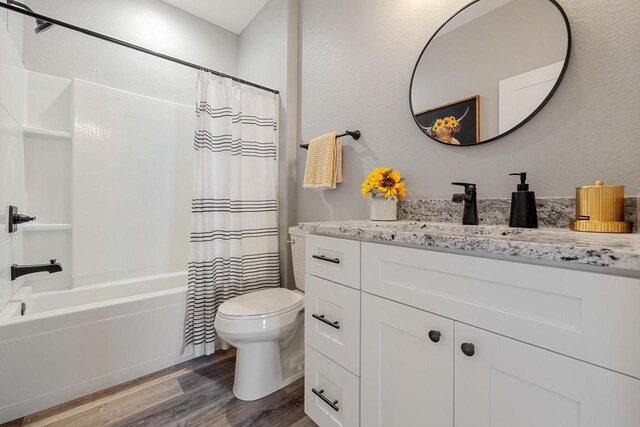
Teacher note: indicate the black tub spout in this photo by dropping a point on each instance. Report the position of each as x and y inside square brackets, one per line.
[21, 270]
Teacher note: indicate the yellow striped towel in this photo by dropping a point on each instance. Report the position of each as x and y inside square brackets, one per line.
[324, 162]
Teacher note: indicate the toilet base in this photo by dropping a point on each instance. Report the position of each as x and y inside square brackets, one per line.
[259, 371]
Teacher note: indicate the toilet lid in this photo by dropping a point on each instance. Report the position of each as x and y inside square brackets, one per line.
[268, 302]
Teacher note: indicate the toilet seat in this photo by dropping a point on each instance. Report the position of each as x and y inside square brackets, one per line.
[260, 315]
[261, 304]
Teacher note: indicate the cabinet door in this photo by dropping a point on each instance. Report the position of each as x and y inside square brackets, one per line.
[406, 377]
[506, 383]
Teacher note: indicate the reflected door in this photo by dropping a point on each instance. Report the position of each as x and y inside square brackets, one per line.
[520, 95]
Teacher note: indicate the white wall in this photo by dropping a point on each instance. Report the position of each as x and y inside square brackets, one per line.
[267, 50]
[12, 183]
[14, 26]
[150, 23]
[356, 64]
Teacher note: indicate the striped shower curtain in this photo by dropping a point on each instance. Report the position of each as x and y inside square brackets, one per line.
[234, 231]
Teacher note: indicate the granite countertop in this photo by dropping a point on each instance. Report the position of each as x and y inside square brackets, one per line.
[616, 251]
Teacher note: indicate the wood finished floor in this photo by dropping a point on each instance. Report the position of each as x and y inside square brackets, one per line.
[194, 393]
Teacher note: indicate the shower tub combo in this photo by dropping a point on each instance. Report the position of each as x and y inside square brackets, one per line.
[74, 342]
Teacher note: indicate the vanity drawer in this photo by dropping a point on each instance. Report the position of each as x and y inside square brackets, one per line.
[332, 321]
[334, 259]
[331, 393]
[589, 316]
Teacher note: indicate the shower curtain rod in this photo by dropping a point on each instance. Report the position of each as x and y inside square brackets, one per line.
[132, 46]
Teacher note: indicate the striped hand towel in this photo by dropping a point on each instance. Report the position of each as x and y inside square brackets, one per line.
[324, 163]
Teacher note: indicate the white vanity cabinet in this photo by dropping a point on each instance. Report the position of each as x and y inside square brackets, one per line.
[456, 340]
[408, 379]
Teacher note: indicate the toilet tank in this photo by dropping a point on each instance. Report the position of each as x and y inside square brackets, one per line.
[298, 238]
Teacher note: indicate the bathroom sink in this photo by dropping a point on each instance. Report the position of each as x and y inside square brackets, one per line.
[453, 229]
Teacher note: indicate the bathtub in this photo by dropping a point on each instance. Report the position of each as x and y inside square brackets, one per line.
[74, 342]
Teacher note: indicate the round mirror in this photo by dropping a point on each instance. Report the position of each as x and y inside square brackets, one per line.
[489, 69]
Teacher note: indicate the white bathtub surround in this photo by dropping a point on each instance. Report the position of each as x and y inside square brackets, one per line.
[111, 191]
[72, 343]
[132, 170]
[12, 183]
[234, 227]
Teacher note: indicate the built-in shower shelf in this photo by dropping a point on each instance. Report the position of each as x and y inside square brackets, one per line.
[45, 227]
[46, 133]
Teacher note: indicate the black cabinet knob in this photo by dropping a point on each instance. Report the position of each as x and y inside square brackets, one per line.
[468, 349]
[435, 336]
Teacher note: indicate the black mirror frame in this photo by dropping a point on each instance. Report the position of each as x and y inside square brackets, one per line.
[525, 121]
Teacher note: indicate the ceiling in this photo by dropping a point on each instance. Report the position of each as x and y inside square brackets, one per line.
[232, 15]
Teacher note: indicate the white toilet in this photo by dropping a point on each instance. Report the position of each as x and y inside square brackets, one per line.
[267, 329]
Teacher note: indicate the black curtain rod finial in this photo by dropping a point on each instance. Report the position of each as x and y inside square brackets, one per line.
[356, 134]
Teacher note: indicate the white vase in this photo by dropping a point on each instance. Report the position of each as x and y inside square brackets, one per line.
[384, 209]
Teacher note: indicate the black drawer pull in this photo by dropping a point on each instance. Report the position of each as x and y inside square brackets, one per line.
[321, 318]
[333, 405]
[324, 258]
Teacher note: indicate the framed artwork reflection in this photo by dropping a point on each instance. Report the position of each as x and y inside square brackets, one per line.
[454, 123]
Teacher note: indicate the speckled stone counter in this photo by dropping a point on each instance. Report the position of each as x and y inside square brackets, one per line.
[615, 251]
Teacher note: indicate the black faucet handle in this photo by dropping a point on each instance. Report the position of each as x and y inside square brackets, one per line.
[468, 186]
[53, 261]
[21, 219]
[16, 218]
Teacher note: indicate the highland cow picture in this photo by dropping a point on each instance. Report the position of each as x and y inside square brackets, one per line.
[455, 123]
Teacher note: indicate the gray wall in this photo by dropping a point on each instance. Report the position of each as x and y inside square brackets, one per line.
[355, 67]
[265, 55]
[473, 59]
[150, 23]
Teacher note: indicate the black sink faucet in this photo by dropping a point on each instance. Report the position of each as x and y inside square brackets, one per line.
[21, 270]
[470, 199]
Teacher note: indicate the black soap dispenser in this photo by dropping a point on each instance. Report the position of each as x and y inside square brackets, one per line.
[523, 205]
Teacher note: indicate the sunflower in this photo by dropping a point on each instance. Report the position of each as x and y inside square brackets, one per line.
[439, 123]
[453, 123]
[385, 181]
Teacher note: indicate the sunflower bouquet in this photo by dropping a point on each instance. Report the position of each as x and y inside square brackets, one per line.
[445, 128]
[385, 181]
[448, 123]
